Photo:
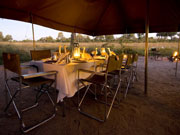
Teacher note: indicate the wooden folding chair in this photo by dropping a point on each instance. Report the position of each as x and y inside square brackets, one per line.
[128, 67]
[101, 79]
[12, 63]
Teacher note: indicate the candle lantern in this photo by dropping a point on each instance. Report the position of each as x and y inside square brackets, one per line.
[55, 56]
[124, 56]
[76, 53]
[175, 54]
[103, 52]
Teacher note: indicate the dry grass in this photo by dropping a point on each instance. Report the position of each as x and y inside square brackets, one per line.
[29, 45]
[23, 48]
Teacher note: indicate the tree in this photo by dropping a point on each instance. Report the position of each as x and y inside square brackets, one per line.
[87, 39]
[60, 37]
[130, 36]
[46, 39]
[109, 38]
[171, 34]
[178, 34]
[140, 35]
[1, 36]
[99, 38]
[8, 38]
[49, 39]
[162, 35]
[79, 37]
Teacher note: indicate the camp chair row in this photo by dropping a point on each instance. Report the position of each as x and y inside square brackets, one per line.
[128, 69]
[114, 69]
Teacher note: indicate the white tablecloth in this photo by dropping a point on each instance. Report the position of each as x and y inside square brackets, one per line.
[67, 75]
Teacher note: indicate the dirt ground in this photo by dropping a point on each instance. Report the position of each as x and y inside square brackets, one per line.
[155, 114]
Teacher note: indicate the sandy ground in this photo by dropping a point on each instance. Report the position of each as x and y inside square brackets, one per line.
[155, 114]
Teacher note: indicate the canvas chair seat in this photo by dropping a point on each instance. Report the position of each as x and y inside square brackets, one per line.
[33, 81]
[97, 79]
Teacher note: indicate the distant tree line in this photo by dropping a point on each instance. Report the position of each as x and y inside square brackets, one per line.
[140, 37]
[5, 38]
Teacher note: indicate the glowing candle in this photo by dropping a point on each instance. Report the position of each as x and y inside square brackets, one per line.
[125, 56]
[103, 51]
[55, 57]
[76, 52]
[175, 54]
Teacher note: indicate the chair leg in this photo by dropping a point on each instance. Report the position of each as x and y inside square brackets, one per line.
[24, 128]
[27, 129]
[11, 99]
[106, 112]
[83, 97]
[84, 113]
[38, 95]
[128, 85]
[116, 92]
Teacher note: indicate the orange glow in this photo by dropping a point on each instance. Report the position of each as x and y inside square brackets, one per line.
[103, 51]
[175, 54]
[125, 56]
[76, 53]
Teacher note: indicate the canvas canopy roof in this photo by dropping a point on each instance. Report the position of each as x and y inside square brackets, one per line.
[96, 17]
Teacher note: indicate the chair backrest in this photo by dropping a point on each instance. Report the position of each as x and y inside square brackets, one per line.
[12, 62]
[112, 64]
[120, 62]
[135, 57]
[129, 59]
[40, 54]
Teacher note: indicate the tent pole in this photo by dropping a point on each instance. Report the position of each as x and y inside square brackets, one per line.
[146, 51]
[177, 59]
[73, 40]
[34, 46]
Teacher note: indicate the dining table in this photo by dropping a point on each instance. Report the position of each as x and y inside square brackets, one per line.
[67, 74]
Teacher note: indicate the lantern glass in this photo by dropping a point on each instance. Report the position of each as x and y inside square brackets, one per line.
[76, 53]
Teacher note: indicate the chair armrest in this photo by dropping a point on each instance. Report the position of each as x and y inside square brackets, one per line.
[39, 74]
[29, 66]
[93, 72]
[101, 66]
[84, 70]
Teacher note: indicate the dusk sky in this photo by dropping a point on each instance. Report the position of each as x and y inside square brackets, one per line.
[21, 30]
